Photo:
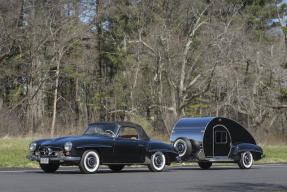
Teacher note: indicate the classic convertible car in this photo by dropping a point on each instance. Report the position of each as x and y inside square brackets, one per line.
[214, 139]
[115, 144]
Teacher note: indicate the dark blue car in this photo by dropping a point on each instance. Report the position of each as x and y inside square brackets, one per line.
[115, 144]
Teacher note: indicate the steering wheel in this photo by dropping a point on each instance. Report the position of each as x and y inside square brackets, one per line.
[110, 132]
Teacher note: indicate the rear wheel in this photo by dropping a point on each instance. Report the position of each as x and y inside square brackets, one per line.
[158, 162]
[49, 168]
[90, 162]
[204, 165]
[246, 160]
[116, 168]
[183, 147]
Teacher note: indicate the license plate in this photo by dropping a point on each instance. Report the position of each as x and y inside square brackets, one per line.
[44, 161]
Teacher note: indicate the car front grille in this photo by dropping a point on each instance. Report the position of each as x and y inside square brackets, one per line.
[50, 151]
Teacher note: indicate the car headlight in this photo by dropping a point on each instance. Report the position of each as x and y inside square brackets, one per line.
[68, 146]
[32, 147]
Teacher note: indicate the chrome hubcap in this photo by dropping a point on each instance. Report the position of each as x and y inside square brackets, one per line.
[91, 161]
[247, 159]
[180, 147]
[158, 160]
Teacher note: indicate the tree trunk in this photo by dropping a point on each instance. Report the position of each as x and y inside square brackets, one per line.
[258, 73]
[77, 102]
[55, 99]
[99, 37]
[36, 104]
[135, 79]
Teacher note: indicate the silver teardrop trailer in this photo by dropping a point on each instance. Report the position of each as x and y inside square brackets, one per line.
[214, 139]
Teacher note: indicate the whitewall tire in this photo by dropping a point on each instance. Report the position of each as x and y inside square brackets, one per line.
[158, 162]
[90, 162]
[184, 147]
[204, 165]
[246, 160]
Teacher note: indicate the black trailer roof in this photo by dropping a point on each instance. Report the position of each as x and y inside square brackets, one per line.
[193, 123]
[191, 128]
[200, 129]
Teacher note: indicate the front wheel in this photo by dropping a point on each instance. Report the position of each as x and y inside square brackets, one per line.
[246, 160]
[116, 168]
[49, 168]
[204, 165]
[158, 162]
[90, 162]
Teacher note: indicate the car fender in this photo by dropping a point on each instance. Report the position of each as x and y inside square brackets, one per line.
[167, 149]
[158, 146]
[161, 150]
[40, 141]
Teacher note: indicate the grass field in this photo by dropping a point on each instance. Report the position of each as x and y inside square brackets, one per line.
[13, 153]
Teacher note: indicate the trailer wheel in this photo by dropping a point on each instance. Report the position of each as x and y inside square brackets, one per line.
[204, 165]
[183, 146]
[246, 160]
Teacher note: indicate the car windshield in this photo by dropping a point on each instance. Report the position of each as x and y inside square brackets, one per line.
[101, 129]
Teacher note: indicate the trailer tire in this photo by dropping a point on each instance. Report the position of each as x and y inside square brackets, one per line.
[246, 160]
[204, 165]
[184, 147]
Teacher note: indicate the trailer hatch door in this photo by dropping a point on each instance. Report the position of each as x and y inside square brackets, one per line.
[221, 141]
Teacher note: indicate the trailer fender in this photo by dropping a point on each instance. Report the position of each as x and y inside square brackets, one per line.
[256, 151]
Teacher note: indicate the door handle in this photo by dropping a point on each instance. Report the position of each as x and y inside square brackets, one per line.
[141, 145]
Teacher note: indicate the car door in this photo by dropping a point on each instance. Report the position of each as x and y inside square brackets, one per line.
[128, 147]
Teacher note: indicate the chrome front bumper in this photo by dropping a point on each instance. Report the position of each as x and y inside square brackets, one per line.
[59, 158]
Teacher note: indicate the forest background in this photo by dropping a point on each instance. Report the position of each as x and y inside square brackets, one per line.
[67, 63]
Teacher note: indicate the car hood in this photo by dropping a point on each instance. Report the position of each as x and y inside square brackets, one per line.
[74, 139]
